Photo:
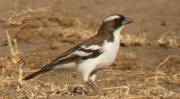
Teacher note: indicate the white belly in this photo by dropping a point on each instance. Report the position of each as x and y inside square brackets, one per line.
[110, 50]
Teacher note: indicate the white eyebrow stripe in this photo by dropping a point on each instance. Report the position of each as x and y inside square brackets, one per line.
[111, 18]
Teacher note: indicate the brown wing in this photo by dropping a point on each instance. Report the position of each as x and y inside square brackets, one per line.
[52, 65]
[66, 58]
[68, 52]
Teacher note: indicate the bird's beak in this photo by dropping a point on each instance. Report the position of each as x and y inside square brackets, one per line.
[127, 21]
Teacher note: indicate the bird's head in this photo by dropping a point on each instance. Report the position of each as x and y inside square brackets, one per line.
[116, 21]
[113, 23]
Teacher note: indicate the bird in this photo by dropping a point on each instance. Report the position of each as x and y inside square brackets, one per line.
[93, 54]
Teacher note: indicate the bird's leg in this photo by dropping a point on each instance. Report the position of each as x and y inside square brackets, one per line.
[97, 88]
[89, 78]
[92, 85]
[92, 80]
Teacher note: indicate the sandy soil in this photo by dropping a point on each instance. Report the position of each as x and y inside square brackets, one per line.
[147, 66]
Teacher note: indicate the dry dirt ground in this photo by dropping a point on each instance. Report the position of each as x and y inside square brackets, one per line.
[33, 32]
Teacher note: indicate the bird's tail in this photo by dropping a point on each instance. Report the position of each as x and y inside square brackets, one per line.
[37, 73]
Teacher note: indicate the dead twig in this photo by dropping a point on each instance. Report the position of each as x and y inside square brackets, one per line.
[10, 43]
[16, 46]
[13, 49]
[163, 62]
[20, 74]
[111, 88]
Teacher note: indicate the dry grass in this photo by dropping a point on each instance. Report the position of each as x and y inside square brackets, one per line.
[13, 48]
[163, 62]
[169, 39]
[134, 40]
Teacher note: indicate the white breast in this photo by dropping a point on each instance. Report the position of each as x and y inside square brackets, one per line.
[109, 53]
[110, 50]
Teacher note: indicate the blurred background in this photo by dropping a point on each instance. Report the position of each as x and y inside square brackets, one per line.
[34, 32]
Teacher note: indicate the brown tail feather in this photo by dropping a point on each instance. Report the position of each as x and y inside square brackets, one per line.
[36, 74]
